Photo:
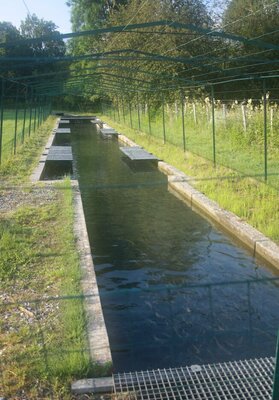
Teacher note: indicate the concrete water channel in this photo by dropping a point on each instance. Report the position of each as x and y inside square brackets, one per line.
[175, 290]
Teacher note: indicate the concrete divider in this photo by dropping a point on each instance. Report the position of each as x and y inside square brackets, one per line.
[96, 328]
[258, 243]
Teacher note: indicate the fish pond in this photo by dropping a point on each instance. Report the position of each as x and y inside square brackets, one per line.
[175, 290]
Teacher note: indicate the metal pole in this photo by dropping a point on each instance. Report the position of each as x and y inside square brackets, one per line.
[138, 111]
[265, 129]
[183, 121]
[30, 113]
[113, 108]
[35, 116]
[213, 126]
[44, 110]
[149, 116]
[275, 391]
[118, 111]
[123, 110]
[130, 111]
[164, 125]
[24, 116]
[2, 116]
[16, 117]
[39, 112]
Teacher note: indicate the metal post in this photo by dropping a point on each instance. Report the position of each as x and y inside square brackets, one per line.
[213, 126]
[149, 116]
[164, 125]
[24, 116]
[123, 110]
[183, 121]
[35, 116]
[130, 111]
[30, 113]
[113, 108]
[275, 391]
[39, 112]
[265, 129]
[1, 116]
[138, 111]
[118, 111]
[16, 117]
[44, 109]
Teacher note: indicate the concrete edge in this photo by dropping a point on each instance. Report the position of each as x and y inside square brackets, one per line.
[37, 173]
[178, 182]
[96, 329]
[93, 385]
[256, 241]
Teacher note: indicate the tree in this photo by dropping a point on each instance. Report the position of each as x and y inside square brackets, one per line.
[255, 19]
[9, 33]
[137, 69]
[89, 14]
[33, 27]
[164, 40]
[252, 18]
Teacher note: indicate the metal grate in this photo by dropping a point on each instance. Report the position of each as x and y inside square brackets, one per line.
[238, 380]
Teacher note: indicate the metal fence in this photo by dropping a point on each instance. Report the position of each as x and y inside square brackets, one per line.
[22, 111]
[242, 135]
[41, 342]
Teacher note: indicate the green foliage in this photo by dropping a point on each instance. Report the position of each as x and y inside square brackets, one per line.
[252, 18]
[33, 27]
[255, 19]
[9, 33]
[164, 40]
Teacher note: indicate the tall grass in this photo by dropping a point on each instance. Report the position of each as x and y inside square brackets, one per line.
[239, 132]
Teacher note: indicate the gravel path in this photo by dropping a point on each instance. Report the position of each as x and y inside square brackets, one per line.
[13, 197]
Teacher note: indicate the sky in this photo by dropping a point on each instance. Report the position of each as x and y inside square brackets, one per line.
[15, 11]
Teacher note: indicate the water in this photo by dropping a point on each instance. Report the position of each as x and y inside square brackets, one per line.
[174, 290]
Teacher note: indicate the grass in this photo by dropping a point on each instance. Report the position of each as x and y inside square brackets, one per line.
[236, 148]
[43, 342]
[16, 133]
[17, 168]
[252, 200]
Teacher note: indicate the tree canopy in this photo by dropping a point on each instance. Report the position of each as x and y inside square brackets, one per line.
[148, 48]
